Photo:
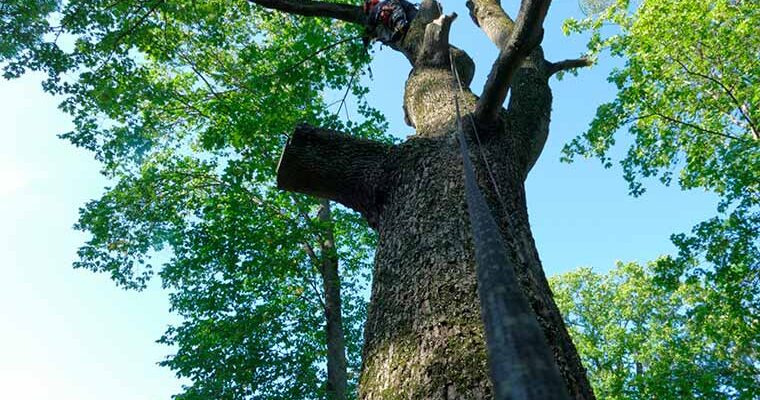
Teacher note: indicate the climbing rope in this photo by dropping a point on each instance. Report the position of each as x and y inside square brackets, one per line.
[491, 175]
[521, 365]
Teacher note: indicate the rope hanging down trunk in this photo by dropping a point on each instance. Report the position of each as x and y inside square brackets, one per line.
[520, 363]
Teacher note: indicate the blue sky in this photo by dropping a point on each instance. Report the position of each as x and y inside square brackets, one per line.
[70, 334]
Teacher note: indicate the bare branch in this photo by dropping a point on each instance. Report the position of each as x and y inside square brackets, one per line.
[345, 95]
[526, 36]
[307, 8]
[739, 105]
[200, 75]
[565, 65]
[311, 57]
[492, 19]
[316, 267]
[684, 123]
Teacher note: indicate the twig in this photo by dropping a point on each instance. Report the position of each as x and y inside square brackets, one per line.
[729, 92]
[679, 122]
[345, 95]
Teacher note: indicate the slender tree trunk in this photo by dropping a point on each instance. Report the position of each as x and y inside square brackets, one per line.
[337, 376]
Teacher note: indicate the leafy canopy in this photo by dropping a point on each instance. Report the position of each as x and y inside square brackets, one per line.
[187, 104]
[685, 325]
[641, 339]
[688, 94]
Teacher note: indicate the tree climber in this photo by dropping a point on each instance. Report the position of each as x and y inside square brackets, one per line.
[388, 20]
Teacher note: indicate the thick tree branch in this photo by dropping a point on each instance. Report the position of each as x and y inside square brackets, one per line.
[307, 8]
[335, 166]
[529, 109]
[526, 35]
[565, 65]
[492, 19]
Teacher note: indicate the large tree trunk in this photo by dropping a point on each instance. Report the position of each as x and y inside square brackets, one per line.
[424, 336]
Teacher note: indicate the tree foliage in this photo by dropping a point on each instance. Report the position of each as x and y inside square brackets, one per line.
[688, 94]
[687, 324]
[641, 338]
[187, 105]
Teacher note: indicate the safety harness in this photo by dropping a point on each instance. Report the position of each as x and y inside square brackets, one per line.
[388, 20]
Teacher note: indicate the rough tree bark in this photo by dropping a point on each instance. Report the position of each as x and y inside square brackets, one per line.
[424, 335]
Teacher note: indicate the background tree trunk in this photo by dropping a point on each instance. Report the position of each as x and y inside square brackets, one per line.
[337, 375]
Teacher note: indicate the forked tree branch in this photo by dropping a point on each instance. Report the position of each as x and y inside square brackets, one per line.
[526, 35]
[308, 8]
[492, 19]
[530, 105]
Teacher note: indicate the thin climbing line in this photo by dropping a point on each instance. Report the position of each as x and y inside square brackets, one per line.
[491, 175]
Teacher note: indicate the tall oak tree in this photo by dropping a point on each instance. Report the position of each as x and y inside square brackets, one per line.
[189, 104]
